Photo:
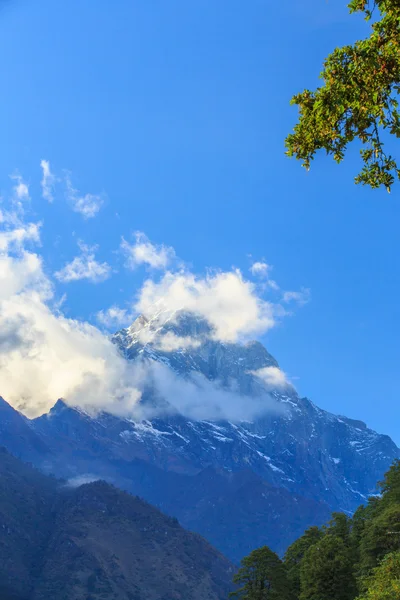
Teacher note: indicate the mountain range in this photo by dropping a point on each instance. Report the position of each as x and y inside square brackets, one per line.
[240, 480]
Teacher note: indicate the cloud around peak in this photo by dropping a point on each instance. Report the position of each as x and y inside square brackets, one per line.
[225, 299]
[44, 355]
[273, 377]
[114, 317]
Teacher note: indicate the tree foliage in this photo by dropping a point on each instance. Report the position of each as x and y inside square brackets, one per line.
[327, 571]
[295, 554]
[358, 99]
[384, 583]
[351, 558]
[262, 576]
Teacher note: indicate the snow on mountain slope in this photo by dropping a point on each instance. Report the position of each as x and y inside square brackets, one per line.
[300, 447]
[257, 452]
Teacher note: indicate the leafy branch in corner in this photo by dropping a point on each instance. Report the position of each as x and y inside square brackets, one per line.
[358, 100]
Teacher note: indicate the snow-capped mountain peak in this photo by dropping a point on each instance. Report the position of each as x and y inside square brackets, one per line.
[241, 482]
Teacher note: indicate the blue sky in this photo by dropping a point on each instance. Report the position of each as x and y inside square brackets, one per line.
[175, 114]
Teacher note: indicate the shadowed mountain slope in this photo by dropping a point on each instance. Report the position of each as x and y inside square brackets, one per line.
[96, 542]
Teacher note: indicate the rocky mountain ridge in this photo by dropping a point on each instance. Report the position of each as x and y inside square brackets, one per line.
[239, 482]
[300, 447]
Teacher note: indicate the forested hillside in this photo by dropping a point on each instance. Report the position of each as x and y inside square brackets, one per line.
[351, 558]
[95, 542]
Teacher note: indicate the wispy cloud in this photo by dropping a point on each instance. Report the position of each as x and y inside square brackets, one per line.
[142, 251]
[16, 238]
[301, 297]
[15, 232]
[88, 205]
[79, 480]
[48, 181]
[21, 189]
[114, 317]
[260, 269]
[20, 195]
[84, 266]
[200, 399]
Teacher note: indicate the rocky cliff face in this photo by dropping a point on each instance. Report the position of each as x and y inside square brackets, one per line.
[241, 481]
[294, 444]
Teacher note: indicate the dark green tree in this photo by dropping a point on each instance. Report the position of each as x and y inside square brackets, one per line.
[358, 522]
[295, 554]
[340, 526]
[326, 571]
[390, 486]
[381, 536]
[262, 576]
[358, 99]
[339, 561]
[381, 529]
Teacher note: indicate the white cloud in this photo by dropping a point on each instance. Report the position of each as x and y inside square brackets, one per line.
[48, 181]
[198, 398]
[15, 233]
[273, 285]
[45, 356]
[14, 239]
[228, 302]
[22, 274]
[170, 342]
[144, 252]
[273, 377]
[260, 269]
[114, 317]
[20, 189]
[88, 205]
[20, 196]
[301, 297]
[84, 266]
